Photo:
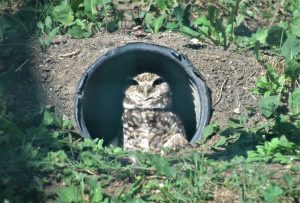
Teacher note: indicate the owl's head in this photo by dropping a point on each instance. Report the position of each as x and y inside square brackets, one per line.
[147, 91]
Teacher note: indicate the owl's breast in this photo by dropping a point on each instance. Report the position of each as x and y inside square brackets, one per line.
[146, 130]
[147, 121]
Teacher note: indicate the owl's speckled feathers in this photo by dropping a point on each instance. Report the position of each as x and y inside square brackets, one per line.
[148, 123]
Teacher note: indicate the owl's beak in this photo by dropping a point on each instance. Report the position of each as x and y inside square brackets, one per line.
[146, 91]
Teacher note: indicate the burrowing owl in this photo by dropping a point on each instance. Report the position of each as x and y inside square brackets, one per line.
[148, 123]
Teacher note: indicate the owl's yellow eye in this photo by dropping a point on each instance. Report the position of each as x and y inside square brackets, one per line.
[158, 81]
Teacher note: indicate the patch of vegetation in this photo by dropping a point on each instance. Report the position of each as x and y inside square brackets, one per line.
[48, 161]
[58, 165]
[79, 19]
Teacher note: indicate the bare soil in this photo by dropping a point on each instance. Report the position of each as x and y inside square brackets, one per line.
[53, 75]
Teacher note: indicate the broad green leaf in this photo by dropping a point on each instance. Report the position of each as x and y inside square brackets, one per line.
[189, 31]
[53, 33]
[280, 158]
[221, 142]
[91, 6]
[157, 24]
[290, 48]
[296, 12]
[59, 158]
[276, 36]
[288, 179]
[178, 12]
[271, 73]
[172, 26]
[87, 158]
[63, 14]
[92, 182]
[75, 4]
[49, 118]
[96, 194]
[234, 123]
[295, 26]
[67, 124]
[162, 4]
[272, 192]
[209, 130]
[205, 30]
[80, 23]
[48, 22]
[77, 33]
[69, 194]
[292, 69]
[294, 101]
[244, 41]
[268, 105]
[39, 24]
[239, 19]
[254, 156]
[285, 143]
[260, 35]
[182, 14]
[202, 21]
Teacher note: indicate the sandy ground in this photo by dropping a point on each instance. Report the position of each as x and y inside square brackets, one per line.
[51, 77]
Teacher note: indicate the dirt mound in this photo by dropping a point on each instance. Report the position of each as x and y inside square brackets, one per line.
[229, 74]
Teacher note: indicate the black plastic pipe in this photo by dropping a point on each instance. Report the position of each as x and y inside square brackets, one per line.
[100, 92]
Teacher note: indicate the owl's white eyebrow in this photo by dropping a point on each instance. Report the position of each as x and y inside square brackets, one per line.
[134, 80]
[158, 77]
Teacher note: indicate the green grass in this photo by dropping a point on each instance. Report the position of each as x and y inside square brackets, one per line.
[50, 162]
[47, 161]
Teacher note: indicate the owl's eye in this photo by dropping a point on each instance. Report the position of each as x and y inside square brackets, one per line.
[132, 82]
[158, 81]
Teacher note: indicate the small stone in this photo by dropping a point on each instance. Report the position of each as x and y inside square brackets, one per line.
[139, 27]
[237, 110]
[194, 41]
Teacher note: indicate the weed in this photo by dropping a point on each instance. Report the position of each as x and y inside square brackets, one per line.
[47, 32]
[79, 19]
[277, 150]
[217, 28]
[154, 25]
